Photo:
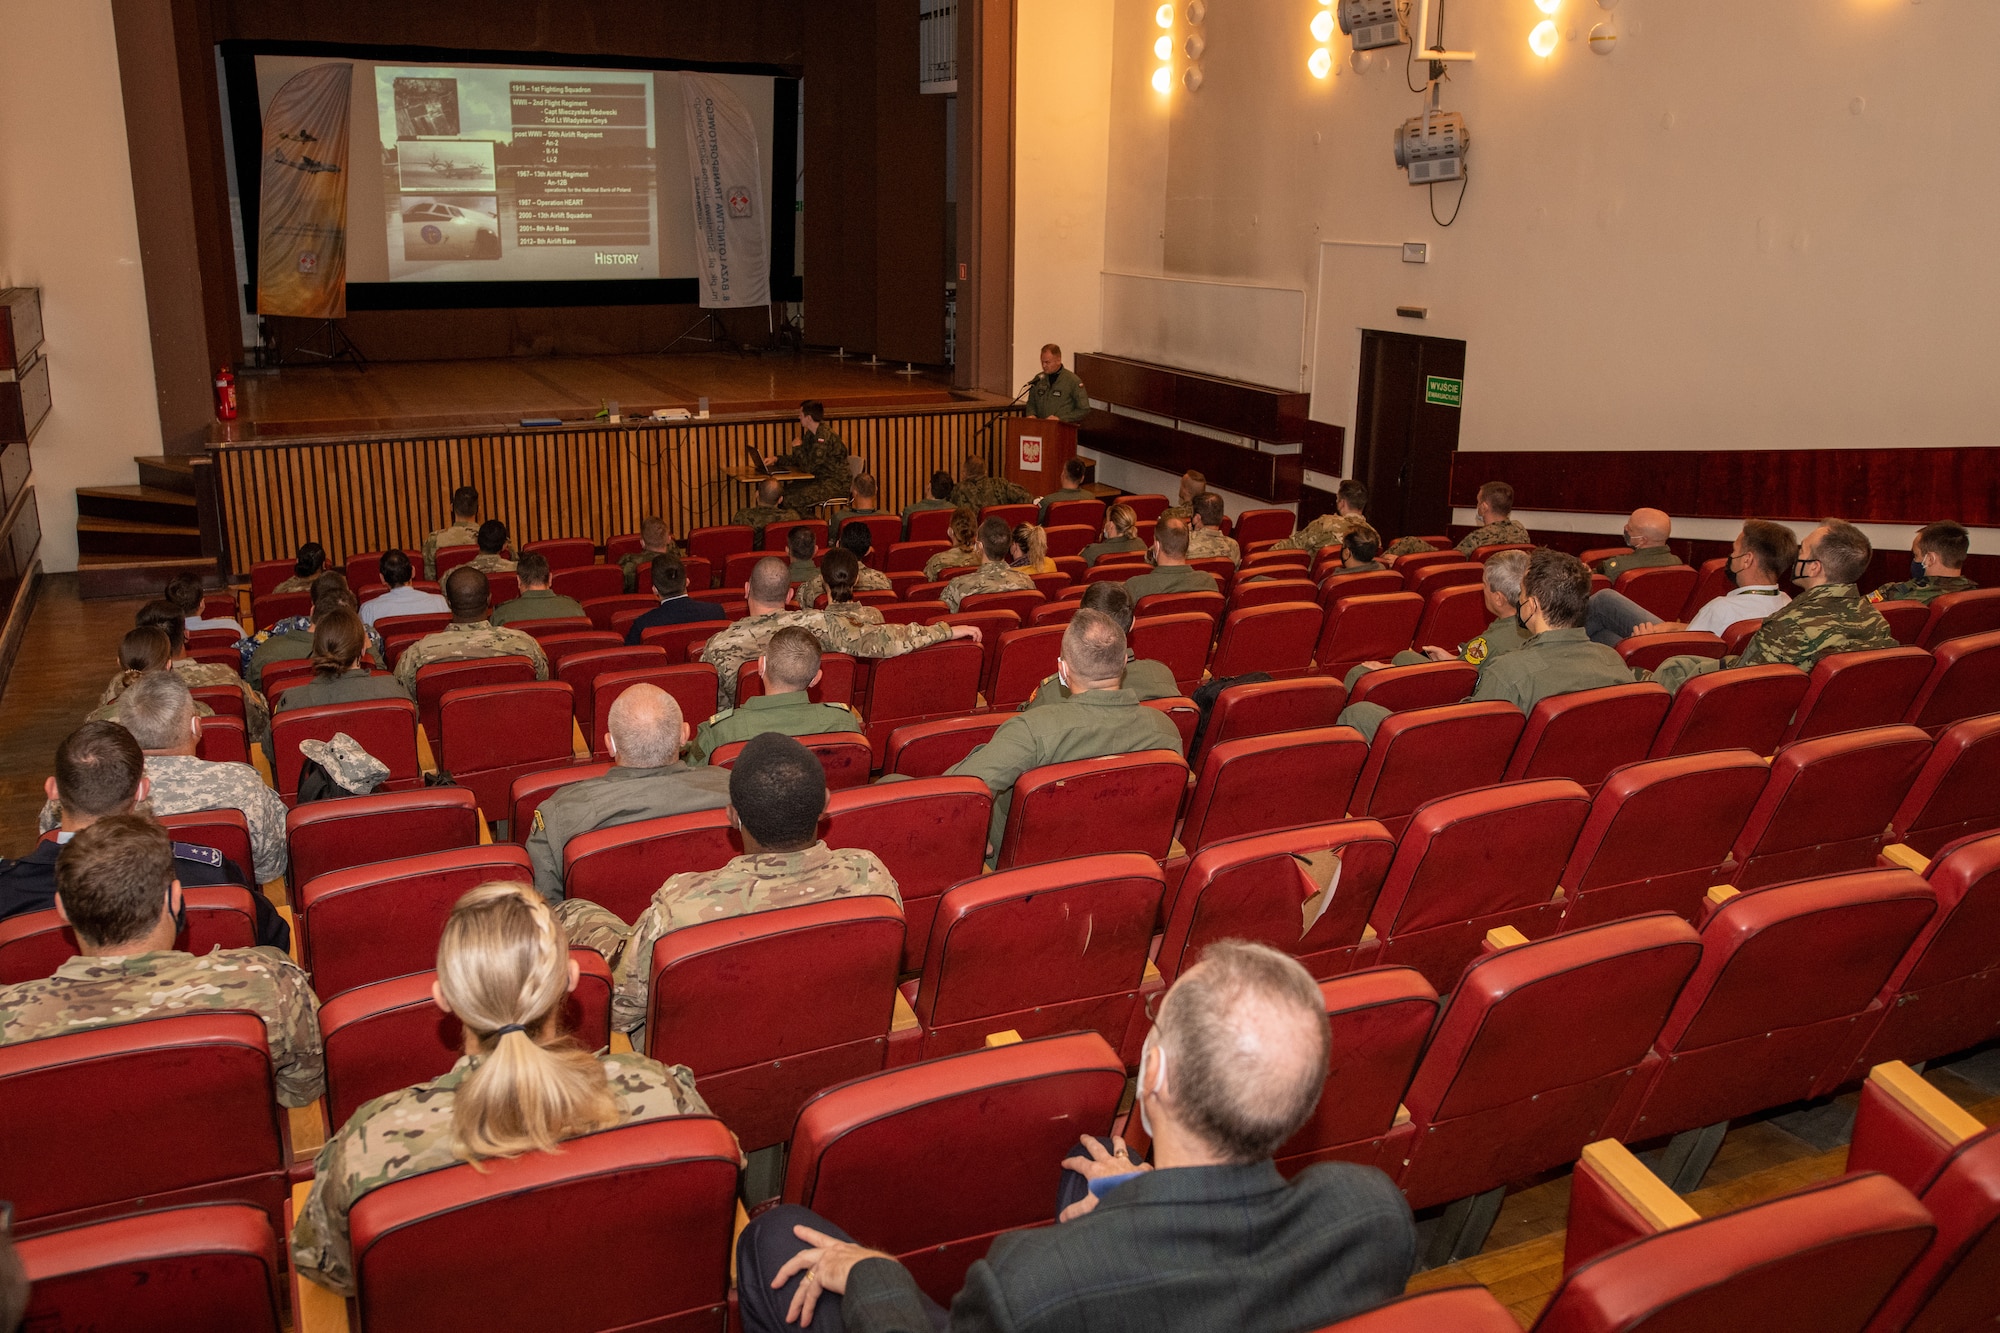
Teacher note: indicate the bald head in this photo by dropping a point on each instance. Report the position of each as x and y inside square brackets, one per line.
[770, 581]
[769, 493]
[646, 728]
[1648, 527]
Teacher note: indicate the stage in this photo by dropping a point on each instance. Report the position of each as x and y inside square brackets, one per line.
[400, 396]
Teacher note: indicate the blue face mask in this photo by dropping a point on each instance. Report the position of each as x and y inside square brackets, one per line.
[1917, 570]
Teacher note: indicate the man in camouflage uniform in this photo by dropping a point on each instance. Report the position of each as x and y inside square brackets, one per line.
[1350, 499]
[852, 631]
[647, 781]
[767, 510]
[1937, 557]
[1557, 658]
[159, 712]
[978, 490]
[463, 530]
[1206, 540]
[1646, 532]
[1057, 392]
[994, 573]
[115, 885]
[1193, 483]
[1830, 616]
[1503, 576]
[790, 667]
[492, 541]
[654, 540]
[1146, 678]
[1102, 716]
[1496, 502]
[1171, 571]
[469, 635]
[536, 600]
[820, 452]
[777, 793]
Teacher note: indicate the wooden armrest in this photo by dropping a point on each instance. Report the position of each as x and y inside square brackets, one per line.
[1368, 935]
[1151, 975]
[1402, 1116]
[1007, 1038]
[1721, 894]
[1638, 1188]
[291, 923]
[308, 1130]
[578, 745]
[485, 833]
[1504, 937]
[315, 1309]
[426, 761]
[902, 1018]
[262, 764]
[621, 1043]
[1907, 857]
[1939, 1114]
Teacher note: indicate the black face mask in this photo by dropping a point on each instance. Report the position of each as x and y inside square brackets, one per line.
[180, 916]
[1729, 568]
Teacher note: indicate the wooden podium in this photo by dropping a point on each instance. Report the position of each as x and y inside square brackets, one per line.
[1037, 450]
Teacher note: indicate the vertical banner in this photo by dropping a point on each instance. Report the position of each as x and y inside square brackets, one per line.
[729, 219]
[302, 213]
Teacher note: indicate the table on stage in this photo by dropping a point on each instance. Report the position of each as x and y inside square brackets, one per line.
[750, 478]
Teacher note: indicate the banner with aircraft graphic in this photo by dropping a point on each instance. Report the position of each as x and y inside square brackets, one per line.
[302, 218]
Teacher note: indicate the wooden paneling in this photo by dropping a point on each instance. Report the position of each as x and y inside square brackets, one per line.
[362, 494]
[1914, 486]
[1255, 410]
[1229, 467]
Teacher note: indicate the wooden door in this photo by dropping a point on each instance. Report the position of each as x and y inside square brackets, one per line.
[1403, 444]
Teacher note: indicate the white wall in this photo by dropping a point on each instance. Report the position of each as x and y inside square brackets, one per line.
[68, 226]
[1062, 105]
[1752, 225]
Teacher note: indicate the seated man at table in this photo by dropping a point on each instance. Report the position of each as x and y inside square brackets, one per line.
[115, 886]
[647, 781]
[768, 507]
[1143, 676]
[1646, 532]
[1206, 540]
[401, 599]
[1557, 658]
[1171, 571]
[1937, 562]
[1762, 554]
[1502, 579]
[777, 793]
[790, 667]
[1102, 716]
[1206, 1236]
[536, 601]
[994, 573]
[654, 541]
[470, 633]
[669, 579]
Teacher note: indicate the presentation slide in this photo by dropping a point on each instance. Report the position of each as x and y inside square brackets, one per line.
[519, 173]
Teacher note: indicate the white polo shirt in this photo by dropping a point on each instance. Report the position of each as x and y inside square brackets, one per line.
[1753, 602]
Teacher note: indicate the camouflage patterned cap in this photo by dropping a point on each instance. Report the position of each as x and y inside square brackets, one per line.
[347, 763]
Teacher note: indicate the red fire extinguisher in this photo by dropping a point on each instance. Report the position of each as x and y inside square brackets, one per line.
[225, 394]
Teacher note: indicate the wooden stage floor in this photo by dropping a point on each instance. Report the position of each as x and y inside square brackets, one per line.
[430, 395]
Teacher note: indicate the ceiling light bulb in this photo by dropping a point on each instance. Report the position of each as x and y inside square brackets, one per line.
[1163, 78]
[1320, 62]
[1548, 6]
[1164, 16]
[1163, 49]
[1542, 40]
[1322, 26]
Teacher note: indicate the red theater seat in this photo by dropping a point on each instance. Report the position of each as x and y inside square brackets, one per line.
[1264, 707]
[502, 587]
[227, 700]
[271, 607]
[1954, 794]
[1953, 616]
[1828, 804]
[1026, 658]
[1453, 616]
[449, 558]
[1457, 1309]
[332, 835]
[1179, 640]
[1039, 950]
[1264, 525]
[363, 568]
[1264, 783]
[1409, 566]
[677, 640]
[177, 1270]
[1585, 735]
[1778, 1007]
[692, 685]
[933, 1161]
[884, 531]
[1056, 613]
[383, 920]
[1906, 619]
[1944, 995]
[1022, 603]
[1145, 508]
[1711, 581]
[1430, 685]
[1645, 652]
[1120, 803]
[194, 1121]
[930, 833]
[564, 552]
[991, 624]
[836, 685]
[1182, 712]
[558, 648]
[927, 525]
[1534, 1049]
[386, 728]
[717, 544]
[769, 1008]
[1276, 640]
[1271, 591]
[1852, 691]
[1475, 862]
[736, 569]
[489, 735]
[1428, 580]
[603, 610]
[223, 740]
[1661, 589]
[621, 868]
[1380, 1020]
[930, 682]
[602, 1212]
[1366, 629]
[1335, 585]
[1964, 682]
[225, 830]
[1088, 514]
[1257, 889]
[390, 1035]
[776, 535]
[34, 944]
[843, 754]
[580, 671]
[1744, 708]
[433, 680]
[912, 556]
[1431, 752]
[1659, 835]
[926, 749]
[528, 792]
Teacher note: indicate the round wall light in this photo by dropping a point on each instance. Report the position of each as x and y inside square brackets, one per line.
[1542, 41]
[1163, 49]
[1164, 16]
[1163, 79]
[1322, 26]
[1320, 63]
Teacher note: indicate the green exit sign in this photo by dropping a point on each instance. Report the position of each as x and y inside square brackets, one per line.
[1443, 392]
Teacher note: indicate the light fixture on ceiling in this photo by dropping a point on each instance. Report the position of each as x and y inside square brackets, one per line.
[1163, 49]
[1164, 16]
[1320, 63]
[1163, 79]
[1371, 23]
[1542, 41]
[1431, 147]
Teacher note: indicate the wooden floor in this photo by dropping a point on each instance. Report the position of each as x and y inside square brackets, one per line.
[417, 395]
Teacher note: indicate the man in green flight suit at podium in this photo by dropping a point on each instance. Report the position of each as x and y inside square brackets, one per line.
[1057, 392]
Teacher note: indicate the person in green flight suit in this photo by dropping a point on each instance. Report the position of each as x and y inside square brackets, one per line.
[820, 452]
[1057, 392]
[790, 665]
[1937, 555]
[1646, 532]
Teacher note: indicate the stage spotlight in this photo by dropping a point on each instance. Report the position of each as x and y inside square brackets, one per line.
[1163, 78]
[1371, 23]
[1163, 49]
[1322, 26]
[1431, 147]
[1320, 63]
[1542, 41]
[1164, 16]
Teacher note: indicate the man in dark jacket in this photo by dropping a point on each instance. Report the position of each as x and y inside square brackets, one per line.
[670, 580]
[1209, 1236]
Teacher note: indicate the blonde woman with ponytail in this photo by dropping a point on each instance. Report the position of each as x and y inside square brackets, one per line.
[521, 1086]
